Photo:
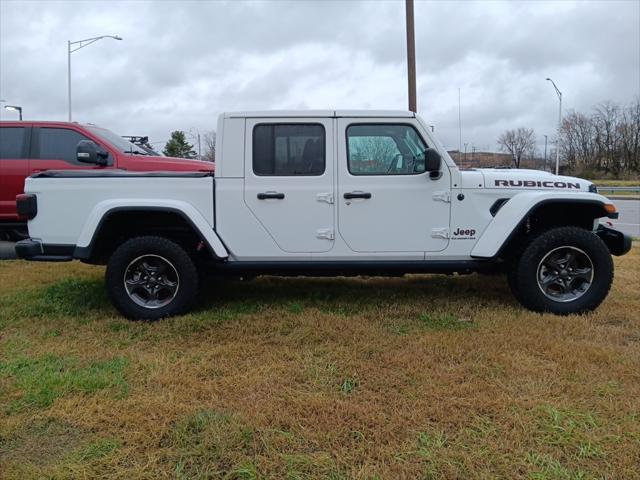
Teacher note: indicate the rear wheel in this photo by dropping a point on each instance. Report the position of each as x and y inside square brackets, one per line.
[151, 277]
[564, 270]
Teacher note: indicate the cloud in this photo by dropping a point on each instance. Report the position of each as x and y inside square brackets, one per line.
[182, 63]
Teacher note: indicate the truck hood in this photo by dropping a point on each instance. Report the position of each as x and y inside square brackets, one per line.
[531, 180]
[146, 163]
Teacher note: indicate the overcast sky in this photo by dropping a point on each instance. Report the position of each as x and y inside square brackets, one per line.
[183, 62]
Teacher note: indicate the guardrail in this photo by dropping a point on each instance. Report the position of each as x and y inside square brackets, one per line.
[619, 189]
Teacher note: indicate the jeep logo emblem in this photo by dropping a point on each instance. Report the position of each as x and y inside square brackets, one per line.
[462, 232]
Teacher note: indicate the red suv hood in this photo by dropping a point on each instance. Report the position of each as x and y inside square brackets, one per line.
[146, 163]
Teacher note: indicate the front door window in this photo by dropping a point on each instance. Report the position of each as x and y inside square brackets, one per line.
[385, 150]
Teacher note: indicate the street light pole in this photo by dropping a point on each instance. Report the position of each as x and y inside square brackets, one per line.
[559, 93]
[411, 56]
[545, 153]
[15, 108]
[459, 127]
[80, 44]
[69, 77]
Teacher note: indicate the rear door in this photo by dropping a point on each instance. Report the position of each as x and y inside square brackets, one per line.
[289, 167]
[386, 200]
[14, 167]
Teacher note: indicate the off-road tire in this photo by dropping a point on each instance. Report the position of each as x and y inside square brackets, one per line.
[525, 276]
[178, 258]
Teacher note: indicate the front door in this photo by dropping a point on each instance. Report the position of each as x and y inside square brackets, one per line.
[54, 148]
[289, 165]
[386, 200]
[14, 168]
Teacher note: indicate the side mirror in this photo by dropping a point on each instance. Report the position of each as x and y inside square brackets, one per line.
[433, 161]
[89, 152]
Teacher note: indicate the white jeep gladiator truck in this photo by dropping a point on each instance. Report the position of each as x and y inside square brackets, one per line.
[323, 193]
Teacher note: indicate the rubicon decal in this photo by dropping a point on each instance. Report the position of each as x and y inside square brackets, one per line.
[536, 183]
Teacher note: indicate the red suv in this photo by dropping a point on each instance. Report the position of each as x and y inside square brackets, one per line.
[29, 147]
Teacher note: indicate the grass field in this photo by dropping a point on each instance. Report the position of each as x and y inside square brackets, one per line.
[418, 377]
[617, 183]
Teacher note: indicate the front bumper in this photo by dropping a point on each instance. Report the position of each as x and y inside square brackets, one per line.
[37, 251]
[617, 242]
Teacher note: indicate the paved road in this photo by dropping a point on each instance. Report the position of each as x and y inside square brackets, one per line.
[629, 221]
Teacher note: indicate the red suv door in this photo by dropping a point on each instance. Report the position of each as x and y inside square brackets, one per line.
[14, 167]
[54, 148]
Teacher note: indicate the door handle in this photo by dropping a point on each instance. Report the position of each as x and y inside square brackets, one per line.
[270, 195]
[350, 195]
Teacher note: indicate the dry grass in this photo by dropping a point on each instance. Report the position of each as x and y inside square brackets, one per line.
[421, 377]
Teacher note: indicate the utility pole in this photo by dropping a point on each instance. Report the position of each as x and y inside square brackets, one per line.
[559, 93]
[411, 57]
[196, 137]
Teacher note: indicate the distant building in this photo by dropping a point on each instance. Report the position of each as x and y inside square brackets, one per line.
[493, 159]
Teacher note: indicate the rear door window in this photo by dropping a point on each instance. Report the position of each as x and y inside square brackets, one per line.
[289, 149]
[12, 142]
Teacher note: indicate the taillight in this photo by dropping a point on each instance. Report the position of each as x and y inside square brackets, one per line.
[27, 205]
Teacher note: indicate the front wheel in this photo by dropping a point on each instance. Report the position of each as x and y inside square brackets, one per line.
[564, 270]
[151, 277]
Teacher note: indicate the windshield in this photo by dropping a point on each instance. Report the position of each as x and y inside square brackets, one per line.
[116, 141]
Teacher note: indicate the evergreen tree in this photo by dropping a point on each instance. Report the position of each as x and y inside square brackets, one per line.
[177, 146]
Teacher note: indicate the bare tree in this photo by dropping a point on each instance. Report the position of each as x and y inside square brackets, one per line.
[209, 153]
[518, 143]
[578, 146]
[630, 136]
[606, 120]
[377, 152]
[606, 141]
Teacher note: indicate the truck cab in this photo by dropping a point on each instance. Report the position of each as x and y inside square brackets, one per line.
[332, 185]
